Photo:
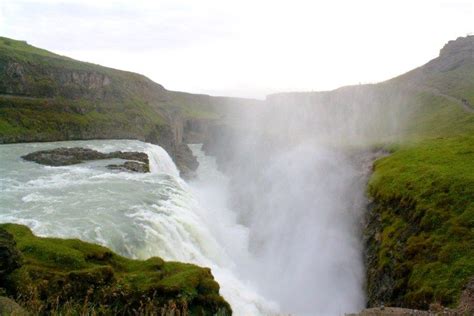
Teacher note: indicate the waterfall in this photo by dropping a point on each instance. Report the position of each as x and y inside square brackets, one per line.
[136, 215]
[292, 247]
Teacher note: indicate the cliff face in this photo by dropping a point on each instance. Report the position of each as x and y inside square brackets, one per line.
[419, 231]
[455, 53]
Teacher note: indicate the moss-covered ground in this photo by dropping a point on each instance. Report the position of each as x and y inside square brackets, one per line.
[420, 231]
[59, 275]
[424, 197]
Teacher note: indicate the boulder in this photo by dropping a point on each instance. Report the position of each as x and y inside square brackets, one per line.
[10, 307]
[10, 257]
[134, 166]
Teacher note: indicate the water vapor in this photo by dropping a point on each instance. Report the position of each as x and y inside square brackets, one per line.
[298, 167]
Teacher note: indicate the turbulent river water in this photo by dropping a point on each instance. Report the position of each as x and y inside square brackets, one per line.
[298, 255]
[136, 215]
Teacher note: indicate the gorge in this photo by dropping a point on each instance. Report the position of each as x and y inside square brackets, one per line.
[280, 198]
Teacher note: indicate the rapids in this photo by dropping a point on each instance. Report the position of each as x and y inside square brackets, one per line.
[136, 215]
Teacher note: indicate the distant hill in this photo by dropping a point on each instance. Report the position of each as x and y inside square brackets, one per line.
[48, 97]
[438, 96]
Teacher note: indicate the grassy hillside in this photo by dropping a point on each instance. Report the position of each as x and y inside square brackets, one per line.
[420, 228]
[48, 97]
[420, 232]
[63, 276]
[45, 96]
[420, 225]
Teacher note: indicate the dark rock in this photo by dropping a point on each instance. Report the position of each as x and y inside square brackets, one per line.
[196, 130]
[186, 162]
[466, 301]
[72, 156]
[64, 156]
[10, 307]
[131, 166]
[10, 257]
[129, 155]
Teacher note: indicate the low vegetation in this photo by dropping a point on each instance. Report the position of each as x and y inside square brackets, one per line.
[69, 276]
[421, 227]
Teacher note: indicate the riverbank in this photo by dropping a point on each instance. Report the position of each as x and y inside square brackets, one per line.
[59, 276]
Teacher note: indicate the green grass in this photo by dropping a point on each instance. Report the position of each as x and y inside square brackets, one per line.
[41, 119]
[458, 82]
[53, 97]
[420, 233]
[424, 196]
[423, 193]
[56, 272]
[435, 116]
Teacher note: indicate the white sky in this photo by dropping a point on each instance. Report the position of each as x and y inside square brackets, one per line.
[244, 48]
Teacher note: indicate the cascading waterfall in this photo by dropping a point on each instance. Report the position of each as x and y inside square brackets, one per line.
[298, 179]
[298, 250]
[136, 215]
[305, 204]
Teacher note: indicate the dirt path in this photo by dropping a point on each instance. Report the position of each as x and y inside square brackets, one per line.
[468, 107]
[13, 96]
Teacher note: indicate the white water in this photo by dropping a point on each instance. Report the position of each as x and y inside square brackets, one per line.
[136, 215]
[304, 207]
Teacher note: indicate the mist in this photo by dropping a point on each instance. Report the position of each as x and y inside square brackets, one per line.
[298, 167]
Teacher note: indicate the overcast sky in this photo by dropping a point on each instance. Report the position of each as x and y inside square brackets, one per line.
[244, 48]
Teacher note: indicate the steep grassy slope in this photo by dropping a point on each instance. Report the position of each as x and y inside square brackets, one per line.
[50, 97]
[420, 233]
[421, 227]
[70, 276]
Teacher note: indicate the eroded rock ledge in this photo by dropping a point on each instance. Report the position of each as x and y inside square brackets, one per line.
[136, 161]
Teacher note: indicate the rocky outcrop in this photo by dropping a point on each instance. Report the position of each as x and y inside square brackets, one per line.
[221, 142]
[10, 257]
[53, 82]
[466, 301]
[392, 311]
[464, 308]
[134, 166]
[138, 161]
[382, 285]
[196, 131]
[9, 307]
[69, 277]
[454, 54]
[10, 260]
[186, 162]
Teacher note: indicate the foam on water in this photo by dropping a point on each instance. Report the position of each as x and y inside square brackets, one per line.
[136, 215]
